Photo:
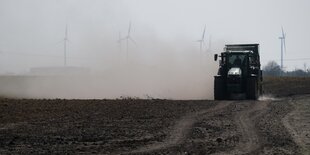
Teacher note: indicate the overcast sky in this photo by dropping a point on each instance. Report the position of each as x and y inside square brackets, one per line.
[31, 31]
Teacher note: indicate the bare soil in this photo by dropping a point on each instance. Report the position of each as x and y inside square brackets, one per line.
[270, 126]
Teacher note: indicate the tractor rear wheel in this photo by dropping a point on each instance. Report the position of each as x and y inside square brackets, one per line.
[252, 88]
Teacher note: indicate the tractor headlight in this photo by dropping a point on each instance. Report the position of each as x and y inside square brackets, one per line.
[235, 71]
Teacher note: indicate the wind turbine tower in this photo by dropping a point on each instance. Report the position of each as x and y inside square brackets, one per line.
[283, 46]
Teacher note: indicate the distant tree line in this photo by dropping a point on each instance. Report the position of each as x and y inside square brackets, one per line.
[273, 69]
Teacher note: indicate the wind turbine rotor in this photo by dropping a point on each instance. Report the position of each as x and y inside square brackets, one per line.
[202, 40]
[128, 39]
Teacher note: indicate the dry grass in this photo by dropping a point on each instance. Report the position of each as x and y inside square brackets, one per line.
[286, 86]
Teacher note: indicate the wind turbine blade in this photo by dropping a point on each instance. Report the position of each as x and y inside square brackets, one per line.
[203, 34]
[133, 41]
[125, 38]
[60, 41]
[284, 45]
[129, 29]
[283, 34]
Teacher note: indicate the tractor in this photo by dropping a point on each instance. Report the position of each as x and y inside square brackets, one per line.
[239, 75]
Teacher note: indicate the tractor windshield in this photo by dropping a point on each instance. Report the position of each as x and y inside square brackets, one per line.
[236, 60]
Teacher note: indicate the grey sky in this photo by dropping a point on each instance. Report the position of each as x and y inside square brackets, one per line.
[30, 30]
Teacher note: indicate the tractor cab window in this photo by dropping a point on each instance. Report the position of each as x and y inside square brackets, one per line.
[252, 61]
[236, 60]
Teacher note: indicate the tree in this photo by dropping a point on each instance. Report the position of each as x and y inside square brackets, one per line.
[272, 69]
[298, 73]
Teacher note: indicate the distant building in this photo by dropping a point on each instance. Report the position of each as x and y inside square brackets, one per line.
[50, 71]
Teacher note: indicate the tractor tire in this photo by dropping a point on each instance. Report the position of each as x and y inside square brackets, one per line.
[252, 88]
[219, 88]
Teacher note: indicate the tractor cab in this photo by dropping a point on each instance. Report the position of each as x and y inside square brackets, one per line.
[239, 66]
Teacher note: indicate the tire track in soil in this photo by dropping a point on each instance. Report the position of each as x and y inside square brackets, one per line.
[298, 124]
[244, 121]
[181, 129]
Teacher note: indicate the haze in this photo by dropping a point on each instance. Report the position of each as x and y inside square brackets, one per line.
[32, 33]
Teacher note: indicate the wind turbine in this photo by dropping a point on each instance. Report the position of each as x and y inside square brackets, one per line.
[283, 45]
[202, 40]
[128, 38]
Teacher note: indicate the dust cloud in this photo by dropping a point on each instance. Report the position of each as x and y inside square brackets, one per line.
[132, 80]
[164, 60]
[267, 97]
[160, 72]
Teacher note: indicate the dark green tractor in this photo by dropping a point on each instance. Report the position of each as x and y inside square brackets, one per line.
[239, 75]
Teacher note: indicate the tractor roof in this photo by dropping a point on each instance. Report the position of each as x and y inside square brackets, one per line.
[243, 47]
